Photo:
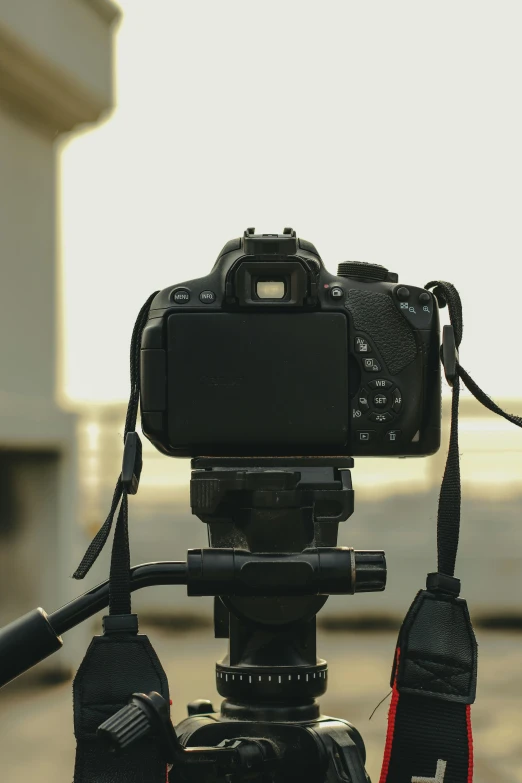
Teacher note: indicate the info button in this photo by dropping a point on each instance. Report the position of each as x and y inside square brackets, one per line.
[207, 297]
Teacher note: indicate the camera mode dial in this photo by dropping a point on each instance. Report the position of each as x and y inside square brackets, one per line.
[362, 270]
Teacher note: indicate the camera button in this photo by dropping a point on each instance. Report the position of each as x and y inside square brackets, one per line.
[363, 436]
[362, 401]
[392, 436]
[380, 383]
[370, 365]
[207, 297]
[396, 400]
[336, 292]
[403, 293]
[181, 296]
[362, 345]
[424, 298]
[380, 417]
[380, 400]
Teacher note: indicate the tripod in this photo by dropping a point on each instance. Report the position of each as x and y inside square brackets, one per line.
[272, 562]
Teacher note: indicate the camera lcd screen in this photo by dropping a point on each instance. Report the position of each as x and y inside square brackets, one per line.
[246, 382]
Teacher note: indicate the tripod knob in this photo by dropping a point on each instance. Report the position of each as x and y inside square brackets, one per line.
[200, 707]
[125, 727]
[143, 714]
[370, 571]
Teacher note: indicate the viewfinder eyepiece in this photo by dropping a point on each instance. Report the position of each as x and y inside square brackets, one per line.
[270, 289]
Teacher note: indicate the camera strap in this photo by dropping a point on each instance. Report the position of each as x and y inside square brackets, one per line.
[434, 673]
[121, 661]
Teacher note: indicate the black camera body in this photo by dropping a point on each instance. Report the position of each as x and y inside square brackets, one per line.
[271, 355]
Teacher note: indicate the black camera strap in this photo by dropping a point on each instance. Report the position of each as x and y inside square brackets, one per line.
[434, 672]
[127, 484]
[121, 661]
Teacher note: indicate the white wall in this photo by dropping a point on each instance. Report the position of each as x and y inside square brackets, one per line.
[381, 131]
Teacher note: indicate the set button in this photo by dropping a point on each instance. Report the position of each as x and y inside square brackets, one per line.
[380, 400]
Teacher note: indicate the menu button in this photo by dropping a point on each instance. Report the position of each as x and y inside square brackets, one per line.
[181, 296]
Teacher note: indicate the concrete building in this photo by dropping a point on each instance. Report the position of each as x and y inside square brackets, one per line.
[55, 75]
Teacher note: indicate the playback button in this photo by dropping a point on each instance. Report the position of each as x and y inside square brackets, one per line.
[364, 436]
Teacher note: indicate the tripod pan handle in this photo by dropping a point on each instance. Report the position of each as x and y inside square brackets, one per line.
[24, 643]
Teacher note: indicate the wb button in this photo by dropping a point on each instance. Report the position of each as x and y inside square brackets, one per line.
[363, 436]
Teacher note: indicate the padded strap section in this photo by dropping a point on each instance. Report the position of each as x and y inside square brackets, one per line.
[438, 649]
[434, 679]
[115, 666]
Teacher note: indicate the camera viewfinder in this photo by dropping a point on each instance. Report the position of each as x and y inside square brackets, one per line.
[270, 289]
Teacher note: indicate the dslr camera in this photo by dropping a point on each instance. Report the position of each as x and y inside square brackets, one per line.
[270, 354]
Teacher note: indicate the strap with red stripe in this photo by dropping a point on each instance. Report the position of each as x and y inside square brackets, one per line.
[433, 685]
[435, 669]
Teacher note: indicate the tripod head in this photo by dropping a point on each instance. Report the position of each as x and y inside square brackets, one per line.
[283, 514]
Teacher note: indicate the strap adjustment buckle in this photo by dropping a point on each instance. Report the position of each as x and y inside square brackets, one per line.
[449, 354]
[120, 623]
[443, 583]
[132, 463]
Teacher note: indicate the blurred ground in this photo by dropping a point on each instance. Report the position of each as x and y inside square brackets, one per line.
[36, 739]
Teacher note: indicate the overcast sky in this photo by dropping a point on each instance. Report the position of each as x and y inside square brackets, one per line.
[385, 132]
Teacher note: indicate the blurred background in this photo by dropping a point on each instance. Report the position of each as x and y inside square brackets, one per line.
[135, 140]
